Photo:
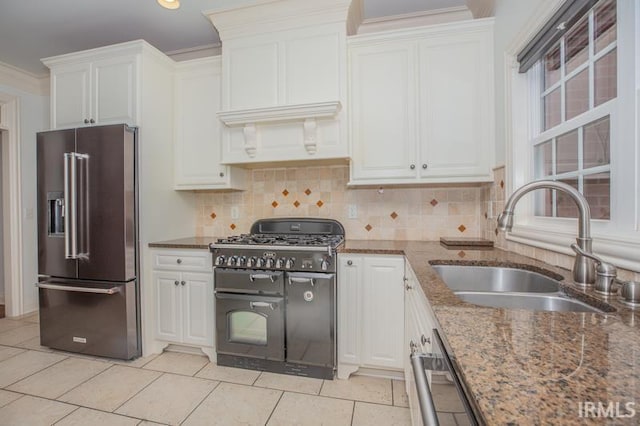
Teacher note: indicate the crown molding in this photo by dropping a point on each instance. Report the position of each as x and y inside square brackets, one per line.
[197, 52]
[24, 80]
[416, 19]
[481, 8]
[277, 15]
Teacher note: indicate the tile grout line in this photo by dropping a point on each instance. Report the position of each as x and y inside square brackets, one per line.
[393, 397]
[85, 381]
[136, 394]
[64, 417]
[353, 413]
[32, 374]
[273, 410]
[200, 403]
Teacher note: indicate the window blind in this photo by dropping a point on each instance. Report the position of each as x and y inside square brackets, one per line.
[568, 14]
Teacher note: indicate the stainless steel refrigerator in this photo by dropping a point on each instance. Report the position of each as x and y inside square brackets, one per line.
[87, 241]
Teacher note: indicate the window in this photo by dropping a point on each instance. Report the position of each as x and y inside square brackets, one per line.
[573, 116]
[576, 79]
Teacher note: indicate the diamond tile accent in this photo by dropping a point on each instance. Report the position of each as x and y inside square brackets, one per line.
[486, 216]
[394, 215]
[285, 192]
[462, 228]
[296, 203]
[274, 204]
[502, 184]
[496, 232]
[213, 215]
[368, 227]
[232, 226]
[434, 202]
[319, 203]
[307, 191]
[462, 254]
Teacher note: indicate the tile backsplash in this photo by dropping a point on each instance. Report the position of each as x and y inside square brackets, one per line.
[420, 213]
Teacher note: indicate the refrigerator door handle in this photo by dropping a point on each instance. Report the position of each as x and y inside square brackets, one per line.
[112, 290]
[82, 226]
[70, 198]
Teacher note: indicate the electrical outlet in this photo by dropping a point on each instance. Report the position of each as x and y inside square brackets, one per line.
[353, 211]
[235, 212]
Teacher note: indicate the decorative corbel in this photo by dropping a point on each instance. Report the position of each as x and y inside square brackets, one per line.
[250, 139]
[311, 135]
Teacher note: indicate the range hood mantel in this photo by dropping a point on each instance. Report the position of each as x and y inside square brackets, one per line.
[284, 79]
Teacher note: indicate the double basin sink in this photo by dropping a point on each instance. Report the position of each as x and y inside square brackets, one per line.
[502, 287]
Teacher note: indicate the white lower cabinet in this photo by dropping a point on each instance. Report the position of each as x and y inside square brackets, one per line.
[184, 299]
[370, 313]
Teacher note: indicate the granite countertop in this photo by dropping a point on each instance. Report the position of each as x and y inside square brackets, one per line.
[529, 367]
[521, 367]
[185, 243]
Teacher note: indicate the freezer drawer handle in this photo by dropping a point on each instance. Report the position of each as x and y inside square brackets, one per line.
[427, 408]
[253, 277]
[293, 280]
[112, 290]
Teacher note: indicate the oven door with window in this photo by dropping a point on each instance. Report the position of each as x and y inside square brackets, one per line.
[250, 325]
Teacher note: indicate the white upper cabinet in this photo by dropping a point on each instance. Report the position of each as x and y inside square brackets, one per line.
[284, 81]
[198, 130]
[421, 103]
[98, 86]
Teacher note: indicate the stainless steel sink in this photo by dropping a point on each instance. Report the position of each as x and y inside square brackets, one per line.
[530, 301]
[495, 279]
[513, 288]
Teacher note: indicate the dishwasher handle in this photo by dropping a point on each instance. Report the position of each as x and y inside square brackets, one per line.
[427, 407]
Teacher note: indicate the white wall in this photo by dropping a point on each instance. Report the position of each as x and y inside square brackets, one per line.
[34, 117]
[510, 18]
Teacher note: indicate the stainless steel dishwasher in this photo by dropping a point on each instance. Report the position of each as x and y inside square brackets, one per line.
[444, 400]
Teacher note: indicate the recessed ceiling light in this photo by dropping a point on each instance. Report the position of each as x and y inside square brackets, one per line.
[169, 4]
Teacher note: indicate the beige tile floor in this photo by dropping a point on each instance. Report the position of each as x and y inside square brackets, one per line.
[39, 386]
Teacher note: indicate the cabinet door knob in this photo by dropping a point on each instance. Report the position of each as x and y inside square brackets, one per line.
[349, 262]
[176, 282]
[425, 340]
[183, 282]
[86, 121]
[221, 174]
[408, 287]
[413, 166]
[179, 261]
[92, 121]
[424, 166]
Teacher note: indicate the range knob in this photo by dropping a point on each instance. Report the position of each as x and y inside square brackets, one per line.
[324, 265]
[260, 262]
[219, 260]
[231, 261]
[290, 262]
[280, 263]
[269, 262]
[251, 262]
[241, 261]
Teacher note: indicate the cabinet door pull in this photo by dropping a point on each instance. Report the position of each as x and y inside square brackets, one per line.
[86, 121]
[349, 262]
[92, 121]
[176, 282]
[184, 282]
[424, 340]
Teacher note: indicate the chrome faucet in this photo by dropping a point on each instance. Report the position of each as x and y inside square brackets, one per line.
[583, 267]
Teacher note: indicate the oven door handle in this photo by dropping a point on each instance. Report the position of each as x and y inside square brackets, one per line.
[294, 280]
[427, 407]
[253, 277]
[254, 305]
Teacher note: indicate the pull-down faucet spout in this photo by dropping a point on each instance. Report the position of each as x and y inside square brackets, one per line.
[583, 268]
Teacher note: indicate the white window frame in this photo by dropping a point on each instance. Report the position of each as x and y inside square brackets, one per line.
[617, 239]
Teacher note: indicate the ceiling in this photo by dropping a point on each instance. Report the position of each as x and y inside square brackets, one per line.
[34, 29]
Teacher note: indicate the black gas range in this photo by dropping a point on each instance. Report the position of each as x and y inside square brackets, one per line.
[275, 296]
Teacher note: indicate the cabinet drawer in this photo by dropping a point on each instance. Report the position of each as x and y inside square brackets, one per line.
[183, 260]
